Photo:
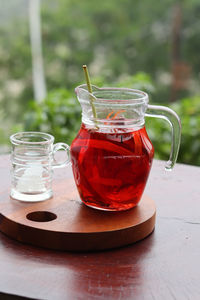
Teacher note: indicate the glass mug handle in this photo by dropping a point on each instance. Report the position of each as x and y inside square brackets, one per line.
[172, 118]
[58, 147]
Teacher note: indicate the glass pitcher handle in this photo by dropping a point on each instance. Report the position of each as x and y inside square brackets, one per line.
[169, 115]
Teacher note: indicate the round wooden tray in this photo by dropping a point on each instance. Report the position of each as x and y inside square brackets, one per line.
[65, 223]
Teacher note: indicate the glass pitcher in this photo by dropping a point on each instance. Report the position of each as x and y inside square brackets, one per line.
[112, 154]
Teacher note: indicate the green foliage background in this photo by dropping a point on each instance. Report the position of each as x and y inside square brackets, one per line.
[60, 115]
[124, 43]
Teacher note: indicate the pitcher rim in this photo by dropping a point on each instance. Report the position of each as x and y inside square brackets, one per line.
[143, 96]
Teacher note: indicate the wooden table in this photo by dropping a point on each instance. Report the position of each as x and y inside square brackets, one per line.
[165, 265]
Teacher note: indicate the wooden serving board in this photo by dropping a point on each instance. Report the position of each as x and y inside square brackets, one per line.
[65, 223]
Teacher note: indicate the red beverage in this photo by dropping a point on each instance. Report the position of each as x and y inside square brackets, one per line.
[111, 168]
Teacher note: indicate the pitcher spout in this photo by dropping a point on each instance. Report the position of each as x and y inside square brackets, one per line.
[82, 92]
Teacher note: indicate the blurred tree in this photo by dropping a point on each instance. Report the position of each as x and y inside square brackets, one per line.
[115, 38]
[160, 133]
[58, 114]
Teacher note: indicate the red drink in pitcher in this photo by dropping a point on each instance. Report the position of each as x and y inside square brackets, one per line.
[112, 153]
[111, 168]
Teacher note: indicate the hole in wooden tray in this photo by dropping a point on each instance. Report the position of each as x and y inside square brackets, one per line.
[41, 216]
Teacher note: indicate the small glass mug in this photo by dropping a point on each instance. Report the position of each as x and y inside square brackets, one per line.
[33, 160]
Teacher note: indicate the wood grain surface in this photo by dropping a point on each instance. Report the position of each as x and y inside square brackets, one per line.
[65, 223]
[163, 266]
